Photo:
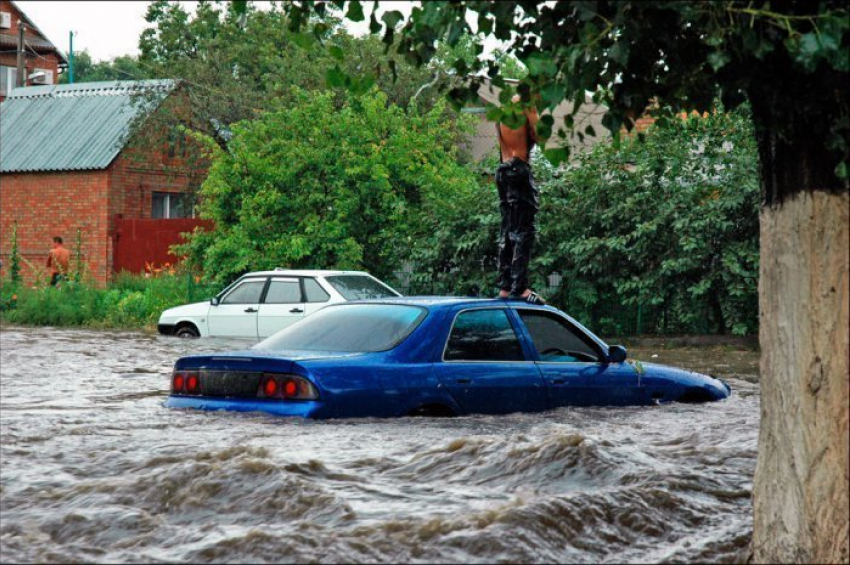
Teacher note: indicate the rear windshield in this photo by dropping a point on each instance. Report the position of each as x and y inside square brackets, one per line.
[360, 287]
[349, 327]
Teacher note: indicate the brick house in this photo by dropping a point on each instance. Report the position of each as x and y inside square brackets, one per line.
[42, 60]
[90, 157]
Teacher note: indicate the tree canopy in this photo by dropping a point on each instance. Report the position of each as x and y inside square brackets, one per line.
[789, 59]
[310, 185]
[237, 65]
[123, 67]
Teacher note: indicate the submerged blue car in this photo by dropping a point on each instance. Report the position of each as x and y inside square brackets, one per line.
[430, 356]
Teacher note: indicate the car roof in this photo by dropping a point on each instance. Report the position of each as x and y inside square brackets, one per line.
[440, 302]
[303, 273]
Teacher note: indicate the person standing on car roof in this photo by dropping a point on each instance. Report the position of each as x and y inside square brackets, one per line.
[58, 260]
[518, 204]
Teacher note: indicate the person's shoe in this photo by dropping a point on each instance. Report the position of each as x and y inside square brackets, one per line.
[532, 298]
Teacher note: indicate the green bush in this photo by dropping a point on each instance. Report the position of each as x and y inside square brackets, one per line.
[131, 301]
[316, 186]
[658, 235]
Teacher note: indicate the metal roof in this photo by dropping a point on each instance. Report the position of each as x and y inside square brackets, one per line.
[34, 43]
[72, 127]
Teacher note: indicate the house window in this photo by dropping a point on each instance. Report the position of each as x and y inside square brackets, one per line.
[8, 79]
[170, 205]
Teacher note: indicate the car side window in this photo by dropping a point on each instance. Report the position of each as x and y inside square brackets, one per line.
[314, 292]
[483, 335]
[246, 293]
[359, 287]
[555, 340]
[283, 292]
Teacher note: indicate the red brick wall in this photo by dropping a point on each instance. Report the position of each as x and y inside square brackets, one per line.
[133, 177]
[49, 61]
[55, 203]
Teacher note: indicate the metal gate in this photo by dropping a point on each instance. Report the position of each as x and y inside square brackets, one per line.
[138, 242]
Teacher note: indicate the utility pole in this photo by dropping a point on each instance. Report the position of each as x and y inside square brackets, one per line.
[71, 59]
[22, 70]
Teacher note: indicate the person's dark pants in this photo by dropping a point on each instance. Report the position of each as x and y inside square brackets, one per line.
[518, 204]
[56, 279]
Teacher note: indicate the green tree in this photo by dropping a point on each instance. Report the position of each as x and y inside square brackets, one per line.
[313, 186]
[123, 67]
[790, 60]
[236, 67]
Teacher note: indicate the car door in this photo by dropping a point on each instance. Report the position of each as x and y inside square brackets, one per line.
[316, 296]
[484, 367]
[236, 313]
[282, 306]
[574, 365]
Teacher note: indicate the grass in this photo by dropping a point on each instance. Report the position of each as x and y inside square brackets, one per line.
[129, 302]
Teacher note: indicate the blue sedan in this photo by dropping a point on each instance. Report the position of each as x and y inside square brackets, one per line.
[430, 356]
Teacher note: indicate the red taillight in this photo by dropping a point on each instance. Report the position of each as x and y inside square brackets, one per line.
[287, 387]
[177, 383]
[270, 386]
[192, 383]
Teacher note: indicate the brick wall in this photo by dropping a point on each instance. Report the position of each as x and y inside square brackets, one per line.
[138, 172]
[55, 203]
[133, 178]
[39, 60]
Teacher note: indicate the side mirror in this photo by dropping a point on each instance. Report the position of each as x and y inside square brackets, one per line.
[616, 354]
[214, 300]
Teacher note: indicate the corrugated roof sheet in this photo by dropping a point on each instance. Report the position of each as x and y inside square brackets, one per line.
[72, 127]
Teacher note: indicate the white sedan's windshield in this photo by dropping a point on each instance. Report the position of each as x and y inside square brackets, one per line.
[349, 328]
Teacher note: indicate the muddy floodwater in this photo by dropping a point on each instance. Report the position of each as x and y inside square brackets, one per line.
[95, 469]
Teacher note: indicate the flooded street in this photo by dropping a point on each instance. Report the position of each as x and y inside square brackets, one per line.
[95, 469]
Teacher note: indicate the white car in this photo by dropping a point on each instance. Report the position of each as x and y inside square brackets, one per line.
[259, 304]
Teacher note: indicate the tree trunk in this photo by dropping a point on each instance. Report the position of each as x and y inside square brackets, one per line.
[801, 490]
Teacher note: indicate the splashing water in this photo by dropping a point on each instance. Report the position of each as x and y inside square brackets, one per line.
[94, 468]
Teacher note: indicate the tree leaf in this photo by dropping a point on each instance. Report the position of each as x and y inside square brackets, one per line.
[557, 155]
[374, 24]
[355, 11]
[493, 113]
[392, 18]
[718, 59]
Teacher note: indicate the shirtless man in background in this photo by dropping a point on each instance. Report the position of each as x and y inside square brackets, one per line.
[58, 259]
[518, 203]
